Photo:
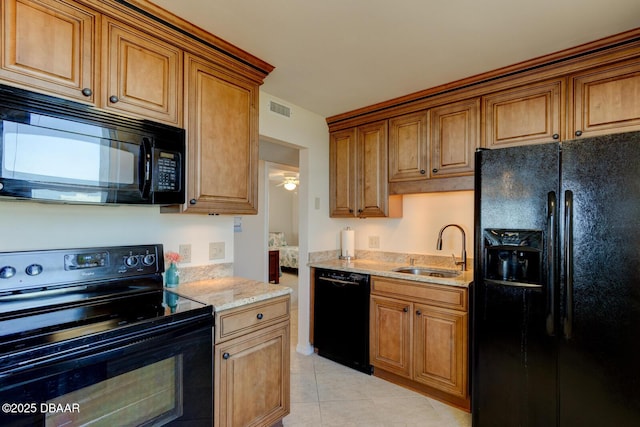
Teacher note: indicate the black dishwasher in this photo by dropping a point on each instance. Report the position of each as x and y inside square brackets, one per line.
[341, 318]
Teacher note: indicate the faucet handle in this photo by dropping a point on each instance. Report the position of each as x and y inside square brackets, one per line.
[454, 259]
[412, 261]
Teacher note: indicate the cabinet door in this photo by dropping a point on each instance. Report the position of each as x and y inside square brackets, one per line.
[440, 349]
[390, 335]
[342, 173]
[371, 158]
[455, 134]
[222, 140]
[142, 74]
[50, 45]
[408, 148]
[605, 100]
[525, 115]
[252, 379]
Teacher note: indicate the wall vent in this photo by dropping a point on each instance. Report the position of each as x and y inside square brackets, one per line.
[283, 110]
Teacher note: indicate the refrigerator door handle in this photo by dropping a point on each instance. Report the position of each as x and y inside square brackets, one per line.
[551, 266]
[567, 322]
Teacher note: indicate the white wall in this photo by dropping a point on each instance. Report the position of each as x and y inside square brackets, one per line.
[417, 230]
[31, 225]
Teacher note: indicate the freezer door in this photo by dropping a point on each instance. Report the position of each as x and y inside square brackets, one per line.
[514, 351]
[599, 372]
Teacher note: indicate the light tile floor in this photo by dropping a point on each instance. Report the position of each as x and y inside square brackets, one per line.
[324, 394]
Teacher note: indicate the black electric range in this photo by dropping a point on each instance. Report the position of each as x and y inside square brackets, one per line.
[81, 313]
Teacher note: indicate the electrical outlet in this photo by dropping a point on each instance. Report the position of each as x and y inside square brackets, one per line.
[374, 242]
[216, 250]
[185, 252]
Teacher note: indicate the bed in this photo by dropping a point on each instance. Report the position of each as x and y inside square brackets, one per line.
[288, 254]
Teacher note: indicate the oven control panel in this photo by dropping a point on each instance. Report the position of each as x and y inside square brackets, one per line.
[49, 269]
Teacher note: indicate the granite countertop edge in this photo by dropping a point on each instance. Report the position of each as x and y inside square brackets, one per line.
[225, 293]
[385, 269]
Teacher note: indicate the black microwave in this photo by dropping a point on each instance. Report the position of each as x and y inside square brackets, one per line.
[62, 151]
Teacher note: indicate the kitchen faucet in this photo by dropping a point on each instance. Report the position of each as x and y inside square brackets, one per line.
[463, 256]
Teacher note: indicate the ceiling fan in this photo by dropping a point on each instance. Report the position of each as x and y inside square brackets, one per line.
[289, 181]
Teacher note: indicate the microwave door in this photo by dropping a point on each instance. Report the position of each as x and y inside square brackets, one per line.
[81, 164]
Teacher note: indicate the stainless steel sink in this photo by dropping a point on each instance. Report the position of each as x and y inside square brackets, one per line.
[423, 271]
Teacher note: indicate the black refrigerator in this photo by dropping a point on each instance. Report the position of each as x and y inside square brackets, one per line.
[556, 292]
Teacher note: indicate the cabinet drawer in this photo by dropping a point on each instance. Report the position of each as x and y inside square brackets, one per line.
[438, 295]
[246, 319]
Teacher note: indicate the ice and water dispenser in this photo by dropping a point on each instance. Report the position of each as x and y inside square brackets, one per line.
[513, 256]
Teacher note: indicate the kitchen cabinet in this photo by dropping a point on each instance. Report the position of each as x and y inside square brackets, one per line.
[530, 114]
[455, 134]
[419, 337]
[605, 100]
[408, 147]
[390, 335]
[51, 46]
[222, 130]
[251, 363]
[358, 177]
[142, 74]
[342, 173]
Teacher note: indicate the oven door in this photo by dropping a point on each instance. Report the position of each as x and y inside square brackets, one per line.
[163, 377]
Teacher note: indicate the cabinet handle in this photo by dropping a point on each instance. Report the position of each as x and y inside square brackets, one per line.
[556, 136]
[578, 132]
[225, 356]
[422, 171]
[434, 170]
[193, 201]
[405, 309]
[113, 99]
[87, 92]
[418, 313]
[259, 316]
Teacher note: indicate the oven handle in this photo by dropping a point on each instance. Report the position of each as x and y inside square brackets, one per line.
[175, 330]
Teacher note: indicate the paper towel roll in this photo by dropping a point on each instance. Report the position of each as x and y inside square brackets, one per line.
[348, 243]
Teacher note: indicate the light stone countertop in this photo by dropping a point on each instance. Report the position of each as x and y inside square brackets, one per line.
[385, 269]
[225, 293]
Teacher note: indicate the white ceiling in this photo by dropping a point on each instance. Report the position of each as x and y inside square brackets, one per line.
[333, 56]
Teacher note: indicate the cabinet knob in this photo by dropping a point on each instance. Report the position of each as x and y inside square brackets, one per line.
[418, 313]
[259, 316]
[87, 92]
[193, 201]
[113, 99]
[350, 210]
[578, 132]
[556, 136]
[405, 309]
[434, 170]
[225, 356]
[422, 171]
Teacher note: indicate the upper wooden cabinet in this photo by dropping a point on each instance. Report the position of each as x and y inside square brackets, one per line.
[142, 75]
[371, 161]
[51, 46]
[222, 140]
[605, 100]
[529, 114]
[408, 147]
[455, 134]
[342, 173]
[358, 178]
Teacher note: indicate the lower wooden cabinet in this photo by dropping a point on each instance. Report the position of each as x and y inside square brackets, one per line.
[251, 364]
[419, 337]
